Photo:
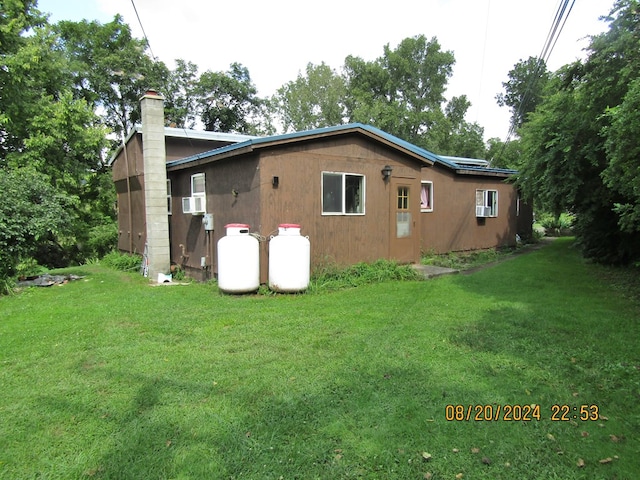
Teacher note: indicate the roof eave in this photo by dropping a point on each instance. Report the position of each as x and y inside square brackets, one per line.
[485, 173]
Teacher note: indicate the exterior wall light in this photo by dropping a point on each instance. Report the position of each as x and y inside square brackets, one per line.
[386, 172]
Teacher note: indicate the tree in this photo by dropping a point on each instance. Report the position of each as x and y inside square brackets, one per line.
[110, 69]
[504, 154]
[180, 104]
[312, 101]
[31, 68]
[453, 135]
[524, 90]
[228, 101]
[31, 212]
[579, 144]
[401, 92]
[622, 175]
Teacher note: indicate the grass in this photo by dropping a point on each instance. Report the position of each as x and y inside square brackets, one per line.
[466, 260]
[109, 378]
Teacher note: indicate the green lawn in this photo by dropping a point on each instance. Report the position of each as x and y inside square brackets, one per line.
[108, 377]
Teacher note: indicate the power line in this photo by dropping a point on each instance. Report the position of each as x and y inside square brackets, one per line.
[143, 32]
[557, 26]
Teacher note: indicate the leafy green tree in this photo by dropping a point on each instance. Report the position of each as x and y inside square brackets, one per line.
[401, 92]
[110, 69]
[504, 154]
[228, 102]
[31, 68]
[622, 175]
[453, 135]
[524, 89]
[31, 213]
[576, 148]
[180, 105]
[314, 100]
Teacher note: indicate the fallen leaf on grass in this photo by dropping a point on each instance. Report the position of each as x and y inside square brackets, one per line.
[602, 417]
[486, 460]
[551, 437]
[428, 476]
[459, 476]
[580, 463]
[606, 460]
[584, 434]
[475, 450]
[455, 450]
[575, 394]
[426, 456]
[615, 438]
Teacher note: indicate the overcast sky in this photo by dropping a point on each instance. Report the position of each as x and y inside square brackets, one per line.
[276, 39]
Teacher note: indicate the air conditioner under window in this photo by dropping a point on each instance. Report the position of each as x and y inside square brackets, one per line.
[482, 211]
[193, 205]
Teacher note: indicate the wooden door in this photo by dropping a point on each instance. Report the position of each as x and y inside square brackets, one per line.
[404, 206]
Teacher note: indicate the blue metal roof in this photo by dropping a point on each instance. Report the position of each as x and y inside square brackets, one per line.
[259, 142]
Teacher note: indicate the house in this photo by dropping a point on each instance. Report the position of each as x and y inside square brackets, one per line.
[358, 193]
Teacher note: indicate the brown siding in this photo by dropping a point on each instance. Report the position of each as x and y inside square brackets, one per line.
[189, 241]
[177, 147]
[341, 239]
[131, 224]
[453, 226]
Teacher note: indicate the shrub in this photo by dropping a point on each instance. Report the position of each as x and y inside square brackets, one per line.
[122, 261]
[550, 222]
[29, 268]
[330, 276]
[102, 240]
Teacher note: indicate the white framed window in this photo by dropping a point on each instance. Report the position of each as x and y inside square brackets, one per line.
[197, 202]
[168, 196]
[426, 196]
[343, 193]
[486, 203]
[197, 185]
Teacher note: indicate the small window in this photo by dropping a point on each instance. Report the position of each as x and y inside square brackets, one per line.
[342, 193]
[196, 204]
[403, 215]
[197, 185]
[486, 203]
[168, 196]
[426, 197]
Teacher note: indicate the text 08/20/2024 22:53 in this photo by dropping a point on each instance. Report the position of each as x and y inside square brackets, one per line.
[518, 413]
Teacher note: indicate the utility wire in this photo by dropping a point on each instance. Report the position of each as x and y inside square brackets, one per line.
[143, 32]
[552, 38]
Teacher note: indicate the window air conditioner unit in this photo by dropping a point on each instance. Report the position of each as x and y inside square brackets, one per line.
[193, 205]
[482, 211]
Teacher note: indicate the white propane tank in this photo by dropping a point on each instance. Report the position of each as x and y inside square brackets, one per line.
[289, 260]
[238, 260]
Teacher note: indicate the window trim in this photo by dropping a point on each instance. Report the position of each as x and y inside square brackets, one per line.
[189, 204]
[204, 190]
[344, 175]
[424, 182]
[485, 203]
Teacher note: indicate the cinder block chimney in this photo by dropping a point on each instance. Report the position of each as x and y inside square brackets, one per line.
[155, 184]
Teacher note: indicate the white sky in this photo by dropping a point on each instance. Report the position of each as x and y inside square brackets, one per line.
[275, 39]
